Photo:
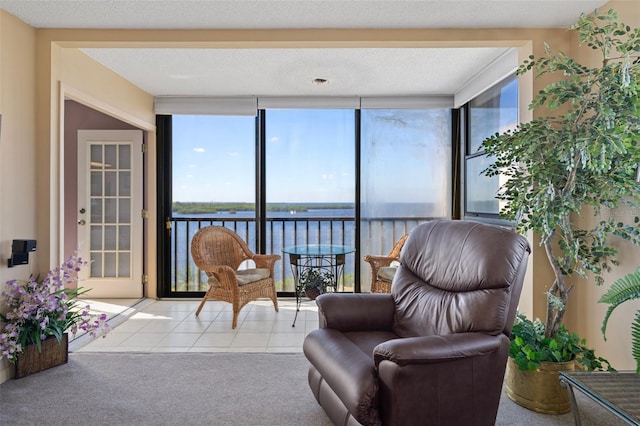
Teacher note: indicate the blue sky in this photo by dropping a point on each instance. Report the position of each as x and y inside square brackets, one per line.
[310, 157]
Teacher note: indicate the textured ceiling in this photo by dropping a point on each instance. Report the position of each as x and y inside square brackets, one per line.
[278, 72]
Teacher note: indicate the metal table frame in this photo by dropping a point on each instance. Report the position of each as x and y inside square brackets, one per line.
[618, 392]
[326, 259]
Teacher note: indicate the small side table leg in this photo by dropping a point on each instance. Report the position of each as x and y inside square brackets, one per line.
[574, 404]
[295, 260]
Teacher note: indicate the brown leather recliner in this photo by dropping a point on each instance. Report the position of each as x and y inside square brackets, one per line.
[434, 351]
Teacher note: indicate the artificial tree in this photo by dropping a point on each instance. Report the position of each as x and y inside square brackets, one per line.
[580, 158]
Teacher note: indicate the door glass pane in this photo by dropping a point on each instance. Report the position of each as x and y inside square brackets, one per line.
[110, 184]
[124, 237]
[96, 264]
[124, 157]
[110, 157]
[96, 238]
[310, 183]
[124, 210]
[110, 265]
[96, 210]
[96, 184]
[124, 184]
[110, 209]
[405, 175]
[213, 182]
[124, 264]
[96, 156]
[110, 233]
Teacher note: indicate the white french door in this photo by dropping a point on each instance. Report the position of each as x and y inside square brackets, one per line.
[109, 216]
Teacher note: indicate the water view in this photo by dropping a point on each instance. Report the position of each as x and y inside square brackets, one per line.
[284, 228]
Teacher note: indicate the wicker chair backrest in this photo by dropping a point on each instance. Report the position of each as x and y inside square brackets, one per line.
[218, 245]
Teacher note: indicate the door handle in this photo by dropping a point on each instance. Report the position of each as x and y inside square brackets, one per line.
[82, 222]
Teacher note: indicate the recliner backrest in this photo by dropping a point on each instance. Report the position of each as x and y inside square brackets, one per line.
[458, 276]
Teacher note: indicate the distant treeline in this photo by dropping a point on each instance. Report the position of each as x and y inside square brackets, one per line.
[202, 207]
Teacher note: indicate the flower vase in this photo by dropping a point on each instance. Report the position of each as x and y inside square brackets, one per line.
[31, 361]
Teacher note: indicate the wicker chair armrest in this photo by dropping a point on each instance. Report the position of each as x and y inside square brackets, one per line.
[266, 261]
[225, 275]
[378, 262]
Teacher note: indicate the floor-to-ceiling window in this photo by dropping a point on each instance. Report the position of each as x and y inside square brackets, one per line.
[300, 176]
[405, 174]
[310, 182]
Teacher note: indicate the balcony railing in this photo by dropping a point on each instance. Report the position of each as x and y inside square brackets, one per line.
[283, 232]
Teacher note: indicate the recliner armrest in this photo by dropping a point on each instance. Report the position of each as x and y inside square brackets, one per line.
[356, 312]
[436, 349]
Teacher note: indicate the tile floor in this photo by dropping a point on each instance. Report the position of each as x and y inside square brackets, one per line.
[171, 326]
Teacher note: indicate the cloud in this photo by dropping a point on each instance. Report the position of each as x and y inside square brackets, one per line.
[274, 139]
[234, 154]
[198, 149]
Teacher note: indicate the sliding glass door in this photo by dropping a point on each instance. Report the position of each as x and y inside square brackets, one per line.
[213, 162]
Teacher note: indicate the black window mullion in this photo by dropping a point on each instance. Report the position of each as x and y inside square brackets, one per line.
[261, 196]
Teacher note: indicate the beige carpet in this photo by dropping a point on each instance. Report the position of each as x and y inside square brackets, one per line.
[195, 389]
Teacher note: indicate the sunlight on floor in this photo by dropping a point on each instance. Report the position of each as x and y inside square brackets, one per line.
[171, 326]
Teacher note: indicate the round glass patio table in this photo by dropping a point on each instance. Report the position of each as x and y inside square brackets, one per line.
[322, 261]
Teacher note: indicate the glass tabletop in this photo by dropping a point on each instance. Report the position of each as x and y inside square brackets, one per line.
[616, 391]
[318, 250]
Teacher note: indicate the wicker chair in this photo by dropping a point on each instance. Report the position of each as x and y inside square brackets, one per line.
[381, 270]
[218, 252]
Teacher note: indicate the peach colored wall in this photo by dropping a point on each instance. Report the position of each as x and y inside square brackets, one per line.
[18, 174]
[585, 314]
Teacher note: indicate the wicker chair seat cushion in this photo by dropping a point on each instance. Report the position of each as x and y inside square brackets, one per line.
[245, 276]
[386, 273]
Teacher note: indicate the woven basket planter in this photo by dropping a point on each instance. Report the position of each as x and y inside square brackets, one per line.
[30, 361]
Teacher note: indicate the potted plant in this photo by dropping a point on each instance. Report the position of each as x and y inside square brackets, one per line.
[579, 159]
[530, 347]
[622, 290]
[315, 282]
[39, 312]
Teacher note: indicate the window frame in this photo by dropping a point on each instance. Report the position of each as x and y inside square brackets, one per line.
[466, 155]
